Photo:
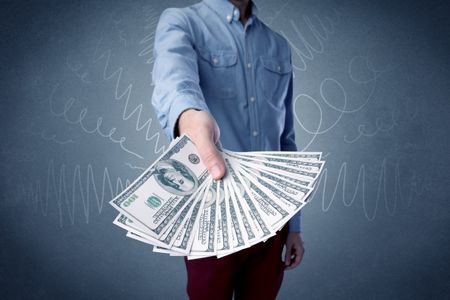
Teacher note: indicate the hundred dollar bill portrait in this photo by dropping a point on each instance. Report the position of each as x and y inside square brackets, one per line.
[175, 177]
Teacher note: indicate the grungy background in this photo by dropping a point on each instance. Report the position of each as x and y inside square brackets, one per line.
[372, 86]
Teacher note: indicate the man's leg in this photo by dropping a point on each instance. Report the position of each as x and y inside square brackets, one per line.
[211, 277]
[261, 274]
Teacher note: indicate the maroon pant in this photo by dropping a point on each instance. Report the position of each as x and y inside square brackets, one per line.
[252, 273]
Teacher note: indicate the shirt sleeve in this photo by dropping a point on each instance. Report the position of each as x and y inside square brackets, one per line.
[175, 71]
[288, 144]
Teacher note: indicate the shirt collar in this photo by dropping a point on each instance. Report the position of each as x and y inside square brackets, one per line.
[228, 11]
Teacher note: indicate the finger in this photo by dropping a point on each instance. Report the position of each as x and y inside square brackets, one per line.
[211, 157]
[219, 145]
[287, 256]
[296, 257]
[216, 134]
[296, 261]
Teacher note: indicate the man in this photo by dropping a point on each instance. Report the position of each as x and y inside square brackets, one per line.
[218, 66]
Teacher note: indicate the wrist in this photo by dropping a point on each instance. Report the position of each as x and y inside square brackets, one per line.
[185, 114]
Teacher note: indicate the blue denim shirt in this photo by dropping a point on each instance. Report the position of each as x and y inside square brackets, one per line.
[206, 59]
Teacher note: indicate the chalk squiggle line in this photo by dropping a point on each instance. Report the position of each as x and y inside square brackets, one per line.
[376, 74]
[390, 205]
[277, 13]
[80, 120]
[58, 191]
[369, 65]
[379, 128]
[138, 110]
[134, 167]
[151, 17]
[51, 138]
[325, 155]
[343, 110]
[318, 130]
[319, 38]
[76, 68]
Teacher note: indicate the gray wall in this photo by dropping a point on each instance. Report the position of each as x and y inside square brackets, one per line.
[371, 92]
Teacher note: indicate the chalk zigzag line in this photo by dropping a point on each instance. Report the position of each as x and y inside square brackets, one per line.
[67, 196]
[138, 110]
[390, 205]
[151, 16]
[319, 38]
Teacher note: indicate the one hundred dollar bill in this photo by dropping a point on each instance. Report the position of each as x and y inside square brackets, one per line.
[161, 193]
[178, 208]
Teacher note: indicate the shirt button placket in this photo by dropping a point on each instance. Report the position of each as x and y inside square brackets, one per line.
[250, 88]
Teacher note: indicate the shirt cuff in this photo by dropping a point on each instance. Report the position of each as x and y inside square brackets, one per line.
[295, 222]
[181, 103]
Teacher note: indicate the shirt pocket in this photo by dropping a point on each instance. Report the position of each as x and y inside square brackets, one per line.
[274, 74]
[217, 73]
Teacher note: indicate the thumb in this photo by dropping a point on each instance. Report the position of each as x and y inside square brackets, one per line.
[287, 256]
[211, 157]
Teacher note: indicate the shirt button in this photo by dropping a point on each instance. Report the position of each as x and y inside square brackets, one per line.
[229, 18]
[249, 65]
[235, 12]
[252, 99]
[279, 68]
[215, 60]
[255, 133]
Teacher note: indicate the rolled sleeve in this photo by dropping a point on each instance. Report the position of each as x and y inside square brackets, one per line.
[175, 71]
[295, 222]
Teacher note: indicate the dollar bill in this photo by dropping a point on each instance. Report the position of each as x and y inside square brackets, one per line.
[222, 219]
[307, 165]
[185, 236]
[161, 193]
[249, 228]
[137, 229]
[282, 154]
[178, 208]
[204, 240]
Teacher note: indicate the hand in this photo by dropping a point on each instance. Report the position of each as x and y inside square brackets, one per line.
[294, 250]
[201, 127]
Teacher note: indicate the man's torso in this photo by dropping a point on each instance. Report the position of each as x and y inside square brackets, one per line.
[244, 73]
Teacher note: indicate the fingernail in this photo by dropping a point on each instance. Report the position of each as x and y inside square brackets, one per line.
[215, 172]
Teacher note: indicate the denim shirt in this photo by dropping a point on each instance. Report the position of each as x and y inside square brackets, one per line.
[206, 59]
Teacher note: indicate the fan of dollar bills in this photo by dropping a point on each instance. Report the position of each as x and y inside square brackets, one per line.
[177, 207]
